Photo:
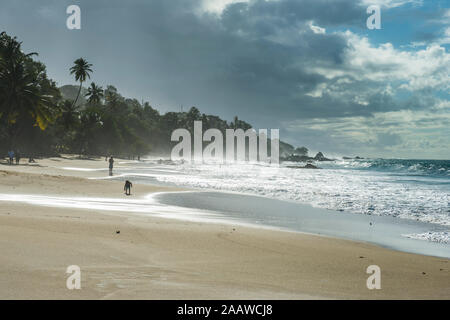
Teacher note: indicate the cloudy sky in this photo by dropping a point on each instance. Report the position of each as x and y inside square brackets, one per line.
[309, 67]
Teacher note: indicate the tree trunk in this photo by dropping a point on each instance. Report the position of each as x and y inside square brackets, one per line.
[79, 90]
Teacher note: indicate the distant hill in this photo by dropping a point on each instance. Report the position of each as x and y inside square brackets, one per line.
[69, 92]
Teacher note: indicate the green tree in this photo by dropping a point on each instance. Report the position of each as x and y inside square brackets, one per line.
[70, 116]
[27, 97]
[94, 94]
[301, 151]
[192, 115]
[81, 69]
[90, 125]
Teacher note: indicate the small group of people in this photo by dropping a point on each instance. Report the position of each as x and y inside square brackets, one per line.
[17, 156]
[12, 155]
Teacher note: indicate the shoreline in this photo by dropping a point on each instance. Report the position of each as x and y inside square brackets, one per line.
[193, 214]
[386, 232]
[160, 258]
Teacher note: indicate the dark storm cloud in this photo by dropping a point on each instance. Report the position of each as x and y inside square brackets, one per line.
[254, 60]
[250, 60]
[284, 14]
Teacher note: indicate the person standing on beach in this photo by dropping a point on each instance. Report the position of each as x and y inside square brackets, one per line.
[17, 157]
[111, 163]
[127, 187]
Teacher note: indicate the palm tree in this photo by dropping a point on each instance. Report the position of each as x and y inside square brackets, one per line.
[69, 116]
[111, 95]
[95, 94]
[21, 91]
[235, 122]
[82, 70]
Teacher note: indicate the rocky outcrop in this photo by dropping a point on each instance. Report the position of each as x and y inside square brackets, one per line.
[308, 166]
[303, 158]
[320, 157]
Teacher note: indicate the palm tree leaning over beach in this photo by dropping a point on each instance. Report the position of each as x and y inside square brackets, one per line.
[24, 90]
[94, 94]
[82, 70]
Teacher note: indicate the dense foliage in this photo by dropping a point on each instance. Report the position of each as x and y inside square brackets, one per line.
[29, 101]
[37, 120]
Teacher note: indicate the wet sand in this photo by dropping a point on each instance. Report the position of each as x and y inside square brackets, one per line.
[157, 258]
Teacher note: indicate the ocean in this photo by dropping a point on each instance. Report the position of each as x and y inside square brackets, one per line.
[411, 190]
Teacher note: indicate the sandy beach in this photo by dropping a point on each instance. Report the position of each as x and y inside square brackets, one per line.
[157, 258]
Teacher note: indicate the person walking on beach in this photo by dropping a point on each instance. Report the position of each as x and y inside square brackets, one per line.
[127, 187]
[111, 164]
[11, 156]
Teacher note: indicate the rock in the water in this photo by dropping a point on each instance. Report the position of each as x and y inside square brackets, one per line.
[320, 157]
[308, 166]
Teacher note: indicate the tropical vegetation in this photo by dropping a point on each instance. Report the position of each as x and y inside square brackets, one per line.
[39, 119]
